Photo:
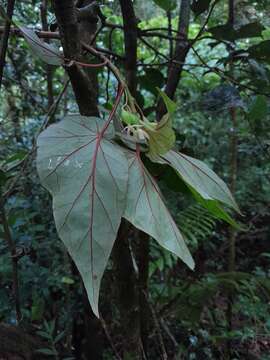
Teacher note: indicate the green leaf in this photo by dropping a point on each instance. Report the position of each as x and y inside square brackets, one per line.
[44, 334]
[170, 104]
[67, 280]
[161, 134]
[47, 352]
[129, 118]
[152, 80]
[146, 210]
[3, 178]
[46, 52]
[87, 175]
[37, 309]
[200, 6]
[260, 51]
[161, 137]
[250, 30]
[214, 207]
[258, 109]
[167, 5]
[59, 337]
[227, 32]
[201, 178]
[19, 155]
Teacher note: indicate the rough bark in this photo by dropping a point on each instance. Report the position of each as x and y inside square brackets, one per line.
[143, 267]
[130, 36]
[127, 289]
[71, 33]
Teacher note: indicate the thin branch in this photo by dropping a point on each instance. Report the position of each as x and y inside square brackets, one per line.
[225, 76]
[41, 34]
[201, 31]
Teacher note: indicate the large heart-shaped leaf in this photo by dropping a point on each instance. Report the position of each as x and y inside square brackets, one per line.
[201, 178]
[146, 210]
[87, 175]
[46, 52]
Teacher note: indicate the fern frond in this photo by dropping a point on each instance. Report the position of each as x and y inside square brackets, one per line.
[196, 223]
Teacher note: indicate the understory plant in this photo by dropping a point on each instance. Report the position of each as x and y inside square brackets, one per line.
[95, 169]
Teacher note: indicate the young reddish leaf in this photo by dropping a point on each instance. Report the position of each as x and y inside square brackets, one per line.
[161, 134]
[161, 137]
[87, 175]
[147, 211]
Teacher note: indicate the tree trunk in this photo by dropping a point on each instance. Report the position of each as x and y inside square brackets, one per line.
[127, 288]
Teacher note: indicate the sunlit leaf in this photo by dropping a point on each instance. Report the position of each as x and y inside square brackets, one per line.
[87, 175]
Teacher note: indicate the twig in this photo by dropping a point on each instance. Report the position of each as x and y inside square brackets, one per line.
[10, 9]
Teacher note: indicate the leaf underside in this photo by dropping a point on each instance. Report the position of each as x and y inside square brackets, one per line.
[95, 182]
[146, 210]
[87, 176]
[201, 178]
